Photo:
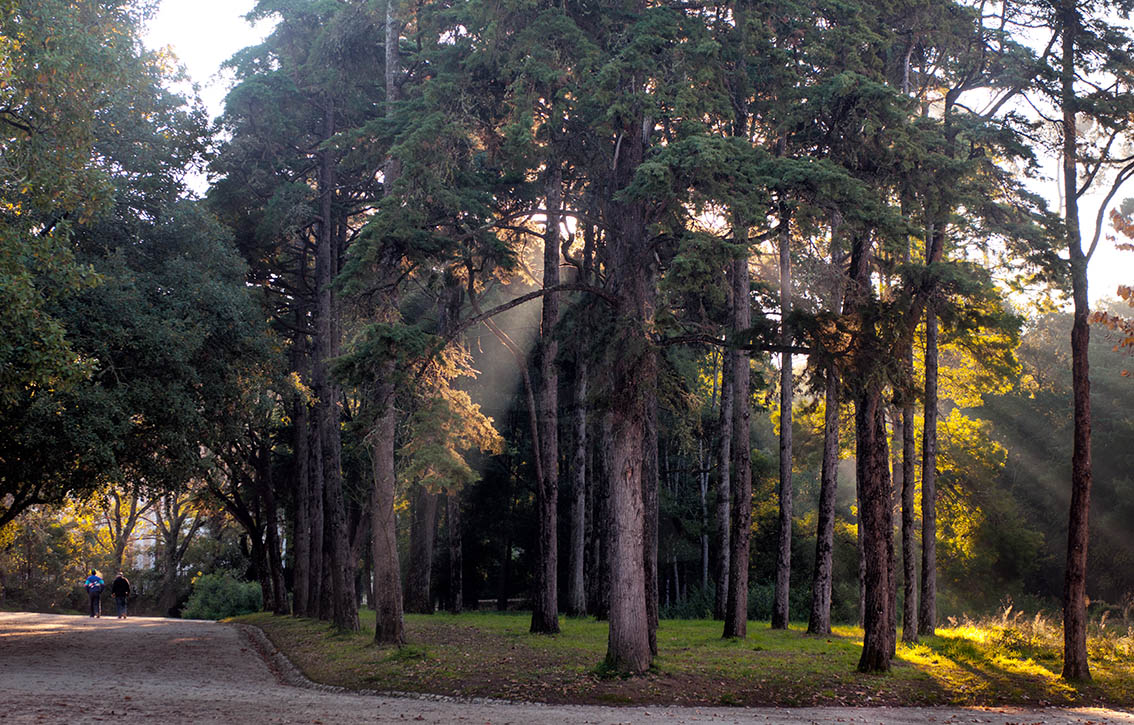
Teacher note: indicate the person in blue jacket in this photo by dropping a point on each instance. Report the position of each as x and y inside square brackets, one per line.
[94, 585]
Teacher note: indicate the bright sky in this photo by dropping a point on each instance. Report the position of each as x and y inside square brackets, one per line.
[205, 33]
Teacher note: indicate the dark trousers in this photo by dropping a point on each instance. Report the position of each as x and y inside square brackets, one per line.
[96, 605]
[120, 602]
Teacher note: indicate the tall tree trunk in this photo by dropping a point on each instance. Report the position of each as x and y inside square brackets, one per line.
[1075, 664]
[894, 492]
[909, 525]
[389, 620]
[545, 602]
[783, 542]
[301, 537]
[419, 598]
[927, 609]
[598, 585]
[633, 377]
[271, 525]
[736, 616]
[723, 513]
[456, 559]
[820, 619]
[576, 579]
[703, 461]
[316, 578]
[345, 613]
[650, 527]
[873, 473]
[388, 614]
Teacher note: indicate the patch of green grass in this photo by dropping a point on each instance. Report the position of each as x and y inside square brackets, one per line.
[493, 655]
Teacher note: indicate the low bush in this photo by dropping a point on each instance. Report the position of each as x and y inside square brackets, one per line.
[216, 596]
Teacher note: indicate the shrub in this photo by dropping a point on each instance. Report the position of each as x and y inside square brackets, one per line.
[216, 596]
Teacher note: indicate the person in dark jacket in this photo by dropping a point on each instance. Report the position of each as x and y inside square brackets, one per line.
[94, 584]
[120, 590]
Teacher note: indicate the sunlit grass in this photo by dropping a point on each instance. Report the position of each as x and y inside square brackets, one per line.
[999, 660]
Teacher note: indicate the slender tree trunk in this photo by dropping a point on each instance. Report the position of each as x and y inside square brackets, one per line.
[271, 525]
[302, 535]
[783, 544]
[315, 597]
[1075, 663]
[598, 586]
[909, 525]
[456, 559]
[724, 489]
[736, 617]
[927, 609]
[703, 489]
[894, 492]
[345, 614]
[576, 579]
[419, 598]
[820, 619]
[545, 602]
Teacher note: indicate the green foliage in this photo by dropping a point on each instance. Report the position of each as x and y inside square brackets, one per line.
[218, 596]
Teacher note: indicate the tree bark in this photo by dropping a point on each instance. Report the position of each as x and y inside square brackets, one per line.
[927, 609]
[418, 597]
[302, 534]
[783, 543]
[820, 619]
[1075, 663]
[724, 489]
[389, 620]
[736, 616]
[456, 559]
[545, 602]
[576, 579]
[876, 519]
[650, 526]
[909, 525]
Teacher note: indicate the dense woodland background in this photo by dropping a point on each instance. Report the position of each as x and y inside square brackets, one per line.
[746, 310]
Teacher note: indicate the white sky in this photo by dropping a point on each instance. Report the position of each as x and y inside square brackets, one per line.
[204, 33]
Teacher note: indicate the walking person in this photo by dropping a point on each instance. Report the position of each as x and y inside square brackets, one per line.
[120, 590]
[94, 585]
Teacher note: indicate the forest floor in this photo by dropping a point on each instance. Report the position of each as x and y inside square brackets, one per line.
[58, 668]
[1006, 661]
[74, 669]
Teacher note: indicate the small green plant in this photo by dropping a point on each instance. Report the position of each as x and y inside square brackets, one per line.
[216, 596]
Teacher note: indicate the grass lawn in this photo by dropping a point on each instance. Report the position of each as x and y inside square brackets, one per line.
[995, 662]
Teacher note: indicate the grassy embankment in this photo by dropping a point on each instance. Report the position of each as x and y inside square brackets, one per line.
[1005, 660]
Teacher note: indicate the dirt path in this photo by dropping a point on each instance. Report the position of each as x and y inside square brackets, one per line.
[56, 669]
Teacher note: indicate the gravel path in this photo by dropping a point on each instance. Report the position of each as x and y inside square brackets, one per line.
[58, 669]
